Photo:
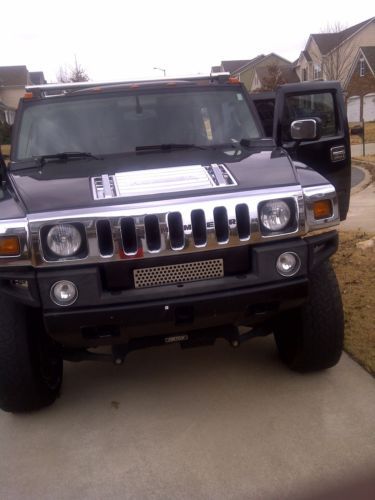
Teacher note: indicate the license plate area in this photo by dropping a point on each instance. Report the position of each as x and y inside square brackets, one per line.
[178, 273]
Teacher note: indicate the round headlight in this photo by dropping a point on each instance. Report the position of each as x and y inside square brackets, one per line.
[64, 293]
[275, 215]
[64, 240]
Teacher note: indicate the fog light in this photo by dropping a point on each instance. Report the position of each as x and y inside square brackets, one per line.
[64, 293]
[288, 264]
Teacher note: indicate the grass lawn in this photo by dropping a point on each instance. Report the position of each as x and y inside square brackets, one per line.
[355, 270]
[369, 134]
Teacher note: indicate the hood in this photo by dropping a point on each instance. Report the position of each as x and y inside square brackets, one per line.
[61, 185]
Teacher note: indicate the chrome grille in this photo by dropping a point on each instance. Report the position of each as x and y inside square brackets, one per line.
[178, 273]
[175, 226]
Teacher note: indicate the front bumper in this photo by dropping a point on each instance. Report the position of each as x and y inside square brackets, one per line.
[104, 315]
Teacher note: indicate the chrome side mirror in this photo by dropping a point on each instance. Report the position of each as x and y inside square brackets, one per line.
[304, 130]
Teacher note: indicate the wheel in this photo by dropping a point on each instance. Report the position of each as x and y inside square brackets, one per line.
[311, 337]
[30, 362]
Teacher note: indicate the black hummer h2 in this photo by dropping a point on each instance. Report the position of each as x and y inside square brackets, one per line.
[145, 213]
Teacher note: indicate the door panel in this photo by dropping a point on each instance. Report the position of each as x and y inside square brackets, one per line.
[330, 153]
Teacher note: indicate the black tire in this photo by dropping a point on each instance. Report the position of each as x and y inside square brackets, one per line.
[30, 362]
[311, 337]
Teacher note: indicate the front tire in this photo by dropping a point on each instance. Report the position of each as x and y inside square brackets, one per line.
[30, 362]
[311, 337]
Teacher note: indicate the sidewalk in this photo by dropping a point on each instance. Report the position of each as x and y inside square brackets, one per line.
[357, 149]
[361, 213]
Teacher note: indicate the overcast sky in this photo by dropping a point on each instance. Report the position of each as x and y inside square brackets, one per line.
[125, 39]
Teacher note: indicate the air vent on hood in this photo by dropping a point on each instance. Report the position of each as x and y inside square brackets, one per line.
[162, 180]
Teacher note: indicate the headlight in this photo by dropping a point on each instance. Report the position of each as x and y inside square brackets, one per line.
[64, 240]
[275, 215]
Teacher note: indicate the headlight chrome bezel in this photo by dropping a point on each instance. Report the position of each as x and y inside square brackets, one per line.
[290, 225]
[51, 255]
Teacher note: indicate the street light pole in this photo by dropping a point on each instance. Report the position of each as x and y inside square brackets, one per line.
[162, 69]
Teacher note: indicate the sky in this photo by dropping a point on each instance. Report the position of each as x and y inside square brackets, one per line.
[119, 40]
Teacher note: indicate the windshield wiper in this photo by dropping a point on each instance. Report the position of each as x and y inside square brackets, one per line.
[169, 147]
[65, 156]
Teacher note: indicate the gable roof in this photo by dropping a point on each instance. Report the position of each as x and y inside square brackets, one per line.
[259, 59]
[37, 77]
[232, 66]
[369, 53]
[13, 75]
[328, 41]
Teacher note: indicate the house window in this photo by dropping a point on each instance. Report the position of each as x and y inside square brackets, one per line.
[362, 67]
[304, 74]
[317, 72]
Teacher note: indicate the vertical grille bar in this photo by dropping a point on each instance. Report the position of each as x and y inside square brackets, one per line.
[198, 222]
[176, 230]
[152, 231]
[221, 224]
[129, 235]
[105, 240]
[243, 221]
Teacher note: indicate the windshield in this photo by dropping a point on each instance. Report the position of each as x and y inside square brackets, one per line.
[118, 123]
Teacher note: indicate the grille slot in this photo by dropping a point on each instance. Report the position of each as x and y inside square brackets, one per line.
[243, 221]
[152, 231]
[129, 235]
[176, 230]
[105, 241]
[178, 273]
[221, 224]
[198, 222]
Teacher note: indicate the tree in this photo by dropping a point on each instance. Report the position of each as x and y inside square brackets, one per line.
[336, 63]
[273, 78]
[75, 73]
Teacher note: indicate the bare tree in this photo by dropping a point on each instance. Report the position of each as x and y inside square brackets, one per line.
[336, 63]
[75, 73]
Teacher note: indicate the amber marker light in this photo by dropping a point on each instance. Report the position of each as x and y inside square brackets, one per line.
[9, 246]
[233, 79]
[322, 209]
[28, 95]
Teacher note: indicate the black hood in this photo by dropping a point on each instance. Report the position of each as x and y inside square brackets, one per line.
[61, 185]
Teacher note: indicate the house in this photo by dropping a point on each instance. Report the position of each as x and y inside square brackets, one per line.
[360, 87]
[13, 80]
[330, 56]
[262, 72]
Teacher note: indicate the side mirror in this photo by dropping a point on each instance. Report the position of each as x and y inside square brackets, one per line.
[306, 129]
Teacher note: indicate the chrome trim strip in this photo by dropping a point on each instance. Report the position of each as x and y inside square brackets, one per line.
[28, 229]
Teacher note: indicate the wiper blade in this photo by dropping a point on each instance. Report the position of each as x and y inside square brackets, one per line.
[66, 156]
[168, 147]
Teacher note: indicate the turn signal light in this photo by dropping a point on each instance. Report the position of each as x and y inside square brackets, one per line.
[28, 95]
[322, 209]
[9, 246]
[233, 79]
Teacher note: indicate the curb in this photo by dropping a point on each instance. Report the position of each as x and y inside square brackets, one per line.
[367, 179]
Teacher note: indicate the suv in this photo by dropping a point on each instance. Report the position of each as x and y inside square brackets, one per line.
[143, 213]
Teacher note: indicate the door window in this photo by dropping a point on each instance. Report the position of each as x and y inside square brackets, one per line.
[320, 105]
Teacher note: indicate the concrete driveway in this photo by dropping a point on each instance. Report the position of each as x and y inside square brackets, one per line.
[213, 422]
